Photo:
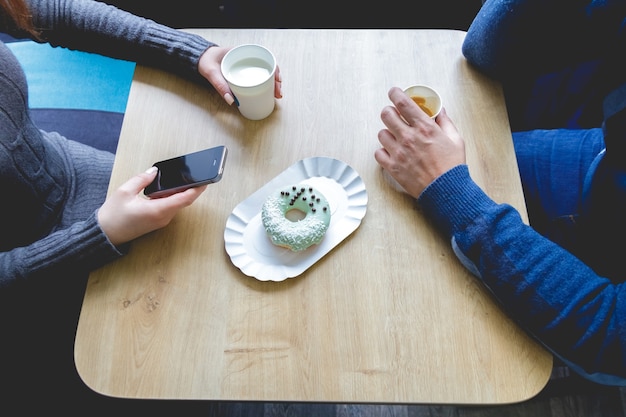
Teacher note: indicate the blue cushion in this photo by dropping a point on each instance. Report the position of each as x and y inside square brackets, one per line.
[80, 95]
[64, 79]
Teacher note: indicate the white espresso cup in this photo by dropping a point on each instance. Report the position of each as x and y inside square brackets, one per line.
[427, 98]
[249, 70]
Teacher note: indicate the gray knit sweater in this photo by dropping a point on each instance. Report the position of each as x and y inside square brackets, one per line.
[52, 187]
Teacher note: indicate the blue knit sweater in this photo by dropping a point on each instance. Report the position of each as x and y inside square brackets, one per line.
[577, 314]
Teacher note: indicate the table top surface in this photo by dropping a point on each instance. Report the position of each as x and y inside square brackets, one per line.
[381, 313]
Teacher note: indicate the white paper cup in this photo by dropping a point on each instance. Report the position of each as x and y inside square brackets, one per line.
[426, 97]
[249, 70]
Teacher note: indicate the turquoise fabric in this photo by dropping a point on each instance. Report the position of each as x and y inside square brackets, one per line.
[59, 78]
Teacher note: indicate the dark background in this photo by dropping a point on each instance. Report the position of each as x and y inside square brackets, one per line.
[326, 14]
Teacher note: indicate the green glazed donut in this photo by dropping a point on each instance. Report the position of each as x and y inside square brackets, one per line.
[296, 235]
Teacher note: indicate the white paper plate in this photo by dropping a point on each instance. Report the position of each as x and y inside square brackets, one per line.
[247, 243]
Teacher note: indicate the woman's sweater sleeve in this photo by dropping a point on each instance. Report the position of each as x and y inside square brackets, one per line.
[83, 246]
[96, 27]
[575, 313]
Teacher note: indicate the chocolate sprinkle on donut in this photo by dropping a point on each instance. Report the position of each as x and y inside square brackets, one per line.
[296, 235]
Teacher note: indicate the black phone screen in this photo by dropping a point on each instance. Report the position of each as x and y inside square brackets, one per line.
[191, 170]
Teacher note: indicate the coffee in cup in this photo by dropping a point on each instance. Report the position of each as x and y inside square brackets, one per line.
[426, 98]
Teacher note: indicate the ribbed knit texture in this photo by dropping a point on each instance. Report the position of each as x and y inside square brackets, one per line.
[574, 312]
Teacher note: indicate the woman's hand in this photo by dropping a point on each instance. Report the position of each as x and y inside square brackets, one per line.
[127, 214]
[210, 68]
[415, 148]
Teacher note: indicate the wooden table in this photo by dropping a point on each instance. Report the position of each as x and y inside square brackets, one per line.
[387, 316]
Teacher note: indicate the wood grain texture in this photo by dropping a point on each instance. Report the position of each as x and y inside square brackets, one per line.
[388, 316]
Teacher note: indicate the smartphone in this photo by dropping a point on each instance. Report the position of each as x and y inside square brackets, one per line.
[186, 171]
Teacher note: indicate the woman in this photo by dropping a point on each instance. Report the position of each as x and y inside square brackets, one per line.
[55, 224]
[56, 217]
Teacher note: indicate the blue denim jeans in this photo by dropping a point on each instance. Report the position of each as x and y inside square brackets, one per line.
[553, 165]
